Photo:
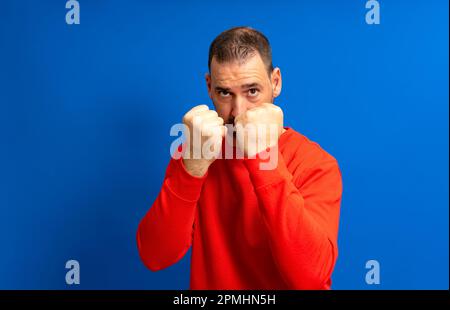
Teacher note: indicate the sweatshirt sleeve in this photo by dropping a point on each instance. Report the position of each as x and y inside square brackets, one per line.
[302, 220]
[165, 233]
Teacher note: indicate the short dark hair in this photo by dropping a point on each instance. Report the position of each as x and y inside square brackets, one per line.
[239, 44]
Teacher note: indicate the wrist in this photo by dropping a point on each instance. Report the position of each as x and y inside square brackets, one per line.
[196, 167]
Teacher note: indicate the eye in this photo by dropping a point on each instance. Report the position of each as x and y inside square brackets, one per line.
[224, 93]
[253, 92]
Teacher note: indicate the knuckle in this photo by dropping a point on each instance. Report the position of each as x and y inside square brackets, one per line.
[186, 118]
[204, 114]
[201, 107]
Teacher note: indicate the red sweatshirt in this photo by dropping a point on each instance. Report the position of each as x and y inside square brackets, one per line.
[249, 228]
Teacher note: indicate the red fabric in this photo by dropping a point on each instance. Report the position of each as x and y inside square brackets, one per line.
[250, 228]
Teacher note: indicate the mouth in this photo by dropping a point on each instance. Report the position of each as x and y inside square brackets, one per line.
[230, 138]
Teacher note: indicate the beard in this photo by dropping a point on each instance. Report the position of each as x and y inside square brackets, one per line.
[229, 121]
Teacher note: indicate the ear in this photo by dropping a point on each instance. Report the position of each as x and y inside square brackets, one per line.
[208, 84]
[276, 82]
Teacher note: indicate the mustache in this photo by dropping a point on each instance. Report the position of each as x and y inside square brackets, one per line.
[231, 131]
[230, 121]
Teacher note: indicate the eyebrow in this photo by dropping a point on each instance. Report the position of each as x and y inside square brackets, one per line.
[251, 85]
[244, 86]
[219, 88]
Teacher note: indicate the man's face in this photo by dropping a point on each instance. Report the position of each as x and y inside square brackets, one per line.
[237, 87]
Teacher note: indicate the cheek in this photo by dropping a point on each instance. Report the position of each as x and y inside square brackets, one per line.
[265, 97]
[223, 111]
[268, 96]
[252, 105]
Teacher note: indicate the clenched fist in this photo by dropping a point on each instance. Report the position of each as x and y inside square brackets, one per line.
[259, 128]
[204, 133]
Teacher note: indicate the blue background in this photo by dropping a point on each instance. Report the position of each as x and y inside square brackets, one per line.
[85, 113]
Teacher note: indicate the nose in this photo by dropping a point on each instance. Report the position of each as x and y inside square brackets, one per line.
[239, 106]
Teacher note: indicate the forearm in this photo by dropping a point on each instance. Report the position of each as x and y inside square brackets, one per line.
[304, 252]
[301, 231]
[165, 233]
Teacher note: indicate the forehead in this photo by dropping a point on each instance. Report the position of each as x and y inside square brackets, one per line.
[235, 73]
